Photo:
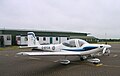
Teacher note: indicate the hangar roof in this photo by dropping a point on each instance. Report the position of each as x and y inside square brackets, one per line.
[41, 33]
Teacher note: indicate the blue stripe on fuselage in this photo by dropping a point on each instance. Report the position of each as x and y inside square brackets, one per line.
[82, 49]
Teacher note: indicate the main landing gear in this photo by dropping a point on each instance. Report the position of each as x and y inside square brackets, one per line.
[65, 61]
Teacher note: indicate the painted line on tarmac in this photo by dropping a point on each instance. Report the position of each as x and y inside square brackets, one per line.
[115, 66]
[115, 55]
[98, 65]
[16, 56]
[34, 58]
[7, 55]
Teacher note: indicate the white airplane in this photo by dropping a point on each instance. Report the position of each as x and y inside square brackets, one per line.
[72, 47]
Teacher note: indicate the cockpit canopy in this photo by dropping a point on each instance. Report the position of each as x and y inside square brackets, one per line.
[74, 43]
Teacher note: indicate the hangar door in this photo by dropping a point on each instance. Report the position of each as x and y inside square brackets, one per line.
[51, 40]
[1, 41]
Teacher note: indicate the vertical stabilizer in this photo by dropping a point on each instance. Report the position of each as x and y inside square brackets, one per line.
[32, 40]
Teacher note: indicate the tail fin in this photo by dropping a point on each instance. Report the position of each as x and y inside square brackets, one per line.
[32, 40]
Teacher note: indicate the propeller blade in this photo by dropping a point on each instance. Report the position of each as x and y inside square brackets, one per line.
[104, 50]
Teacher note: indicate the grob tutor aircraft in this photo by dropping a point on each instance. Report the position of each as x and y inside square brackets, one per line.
[71, 47]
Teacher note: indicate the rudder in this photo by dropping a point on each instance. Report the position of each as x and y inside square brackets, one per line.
[32, 40]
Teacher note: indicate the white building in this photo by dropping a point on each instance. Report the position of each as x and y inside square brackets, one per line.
[5, 40]
[22, 40]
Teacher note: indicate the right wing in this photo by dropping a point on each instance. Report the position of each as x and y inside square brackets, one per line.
[49, 53]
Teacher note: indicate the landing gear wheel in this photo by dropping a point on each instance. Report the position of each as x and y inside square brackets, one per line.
[65, 62]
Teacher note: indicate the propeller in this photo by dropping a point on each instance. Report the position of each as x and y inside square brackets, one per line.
[104, 50]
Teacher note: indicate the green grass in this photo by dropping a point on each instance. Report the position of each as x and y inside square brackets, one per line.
[109, 42]
[13, 48]
[9, 48]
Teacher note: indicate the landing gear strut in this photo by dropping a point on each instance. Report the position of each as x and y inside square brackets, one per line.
[82, 58]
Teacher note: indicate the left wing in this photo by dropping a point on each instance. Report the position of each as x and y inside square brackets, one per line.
[49, 53]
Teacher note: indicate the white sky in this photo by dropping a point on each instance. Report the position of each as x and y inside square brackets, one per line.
[99, 17]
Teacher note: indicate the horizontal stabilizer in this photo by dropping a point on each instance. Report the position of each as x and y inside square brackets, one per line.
[22, 47]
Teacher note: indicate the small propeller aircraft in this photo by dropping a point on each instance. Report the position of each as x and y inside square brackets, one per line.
[71, 47]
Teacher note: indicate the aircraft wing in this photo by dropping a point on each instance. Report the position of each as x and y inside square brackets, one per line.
[49, 53]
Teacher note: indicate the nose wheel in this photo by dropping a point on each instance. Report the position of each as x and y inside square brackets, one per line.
[107, 52]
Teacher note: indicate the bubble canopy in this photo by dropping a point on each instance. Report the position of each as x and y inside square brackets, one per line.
[74, 43]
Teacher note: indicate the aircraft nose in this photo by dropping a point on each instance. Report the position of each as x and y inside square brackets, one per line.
[108, 46]
[105, 46]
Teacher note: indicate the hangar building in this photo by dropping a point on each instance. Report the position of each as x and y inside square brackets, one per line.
[19, 37]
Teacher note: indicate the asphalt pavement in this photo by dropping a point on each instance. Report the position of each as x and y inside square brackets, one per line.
[13, 65]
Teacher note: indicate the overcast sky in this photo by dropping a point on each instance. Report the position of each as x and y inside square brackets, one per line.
[99, 17]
